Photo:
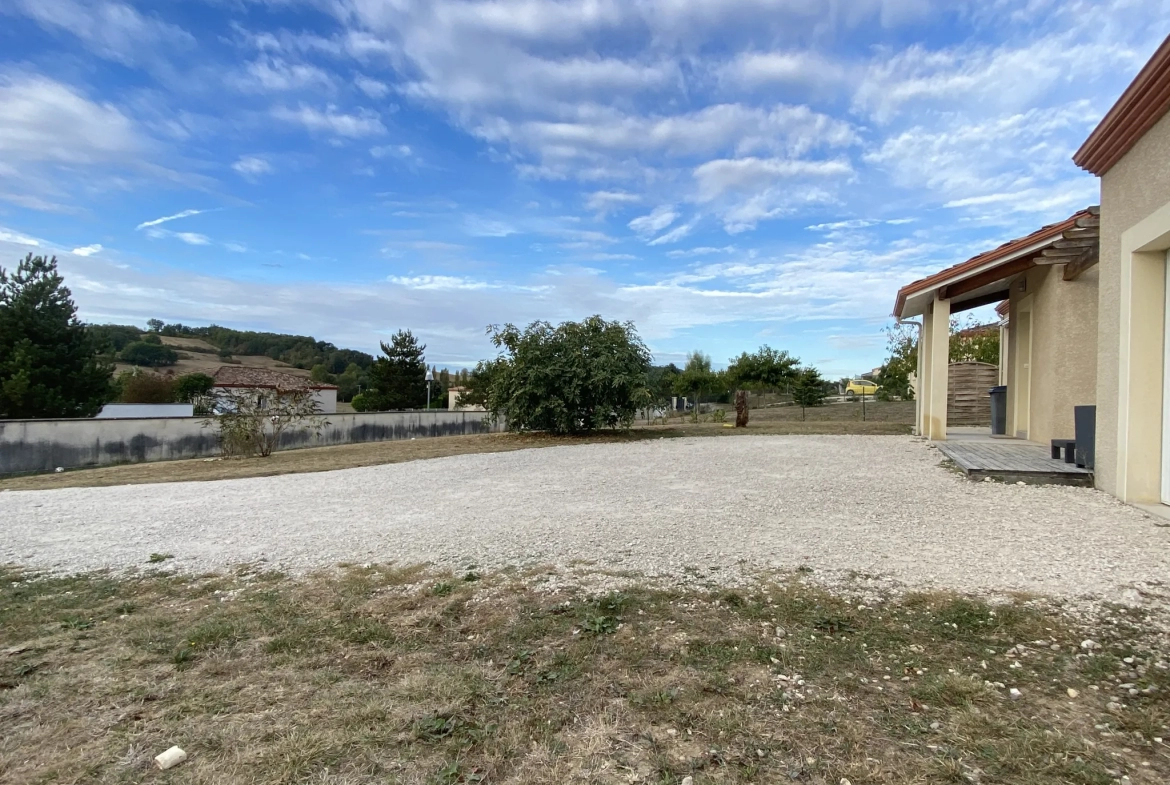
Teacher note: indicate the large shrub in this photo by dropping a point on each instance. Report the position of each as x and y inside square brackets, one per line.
[148, 355]
[145, 388]
[571, 378]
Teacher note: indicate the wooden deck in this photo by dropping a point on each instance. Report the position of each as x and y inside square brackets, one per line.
[1012, 461]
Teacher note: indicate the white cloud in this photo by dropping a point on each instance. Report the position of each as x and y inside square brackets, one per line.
[193, 238]
[769, 69]
[658, 219]
[361, 123]
[274, 75]
[477, 226]
[371, 87]
[716, 178]
[603, 202]
[109, 29]
[236, 247]
[853, 223]
[675, 234]
[47, 121]
[252, 166]
[166, 218]
[703, 250]
[438, 282]
[87, 250]
[16, 238]
[402, 151]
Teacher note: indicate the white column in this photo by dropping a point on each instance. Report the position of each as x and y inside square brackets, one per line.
[940, 346]
[922, 410]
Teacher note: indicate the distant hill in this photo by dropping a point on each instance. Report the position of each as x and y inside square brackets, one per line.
[296, 351]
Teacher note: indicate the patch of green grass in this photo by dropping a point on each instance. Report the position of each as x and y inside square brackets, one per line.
[159, 558]
[442, 589]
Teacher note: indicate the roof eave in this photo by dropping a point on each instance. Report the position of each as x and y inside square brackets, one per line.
[1142, 105]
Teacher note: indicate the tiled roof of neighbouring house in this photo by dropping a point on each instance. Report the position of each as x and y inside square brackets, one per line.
[241, 376]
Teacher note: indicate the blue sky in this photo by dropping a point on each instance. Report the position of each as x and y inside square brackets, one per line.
[724, 173]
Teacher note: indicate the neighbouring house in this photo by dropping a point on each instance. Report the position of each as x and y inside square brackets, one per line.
[268, 382]
[127, 411]
[453, 394]
[1083, 304]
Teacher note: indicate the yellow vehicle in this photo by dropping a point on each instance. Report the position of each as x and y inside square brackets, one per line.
[858, 387]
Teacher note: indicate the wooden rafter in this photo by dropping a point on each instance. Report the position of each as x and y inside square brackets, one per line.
[987, 277]
[1077, 266]
[983, 299]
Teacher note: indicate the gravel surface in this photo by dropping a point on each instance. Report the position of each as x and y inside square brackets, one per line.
[719, 506]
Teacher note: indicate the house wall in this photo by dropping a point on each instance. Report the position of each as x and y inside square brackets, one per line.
[1135, 217]
[1064, 349]
[43, 445]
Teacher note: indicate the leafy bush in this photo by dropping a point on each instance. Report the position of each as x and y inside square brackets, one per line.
[152, 338]
[145, 388]
[148, 355]
[362, 403]
[572, 378]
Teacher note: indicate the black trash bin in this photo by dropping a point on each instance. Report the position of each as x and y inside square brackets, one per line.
[1085, 431]
[998, 410]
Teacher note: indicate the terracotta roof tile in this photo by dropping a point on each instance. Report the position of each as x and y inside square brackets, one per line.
[1050, 232]
[242, 376]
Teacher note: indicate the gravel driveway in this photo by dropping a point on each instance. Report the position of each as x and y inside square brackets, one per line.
[878, 505]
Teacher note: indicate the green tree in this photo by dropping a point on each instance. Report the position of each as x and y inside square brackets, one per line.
[696, 378]
[154, 325]
[901, 361]
[49, 363]
[764, 369]
[808, 389]
[113, 338]
[149, 355]
[974, 342]
[660, 383]
[572, 378]
[194, 388]
[398, 379]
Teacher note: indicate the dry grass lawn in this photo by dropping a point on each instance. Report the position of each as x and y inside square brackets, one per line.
[380, 675]
[882, 419]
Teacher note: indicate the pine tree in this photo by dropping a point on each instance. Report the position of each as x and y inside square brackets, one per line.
[398, 380]
[49, 365]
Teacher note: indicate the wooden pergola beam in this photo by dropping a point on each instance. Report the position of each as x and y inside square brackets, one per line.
[983, 299]
[987, 277]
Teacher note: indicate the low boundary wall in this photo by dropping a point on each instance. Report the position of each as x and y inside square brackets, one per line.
[43, 445]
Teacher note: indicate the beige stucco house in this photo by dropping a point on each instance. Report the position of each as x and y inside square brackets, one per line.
[1084, 305]
[1130, 152]
[1049, 281]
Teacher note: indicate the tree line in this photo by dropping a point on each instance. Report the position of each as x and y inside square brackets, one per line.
[567, 378]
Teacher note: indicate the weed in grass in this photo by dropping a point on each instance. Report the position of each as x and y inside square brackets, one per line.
[76, 623]
[436, 728]
[159, 558]
[600, 624]
[471, 577]
[442, 589]
[183, 658]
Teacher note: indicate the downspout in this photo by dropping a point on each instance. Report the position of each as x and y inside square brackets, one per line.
[917, 372]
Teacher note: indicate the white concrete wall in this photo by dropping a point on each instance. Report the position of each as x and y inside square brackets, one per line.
[43, 445]
[138, 410]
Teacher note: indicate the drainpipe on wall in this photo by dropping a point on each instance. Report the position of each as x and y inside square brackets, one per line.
[918, 374]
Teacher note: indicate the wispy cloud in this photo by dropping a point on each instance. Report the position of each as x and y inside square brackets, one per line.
[166, 218]
[87, 250]
[252, 166]
[354, 125]
[17, 238]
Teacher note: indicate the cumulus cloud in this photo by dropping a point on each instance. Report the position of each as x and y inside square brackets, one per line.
[87, 250]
